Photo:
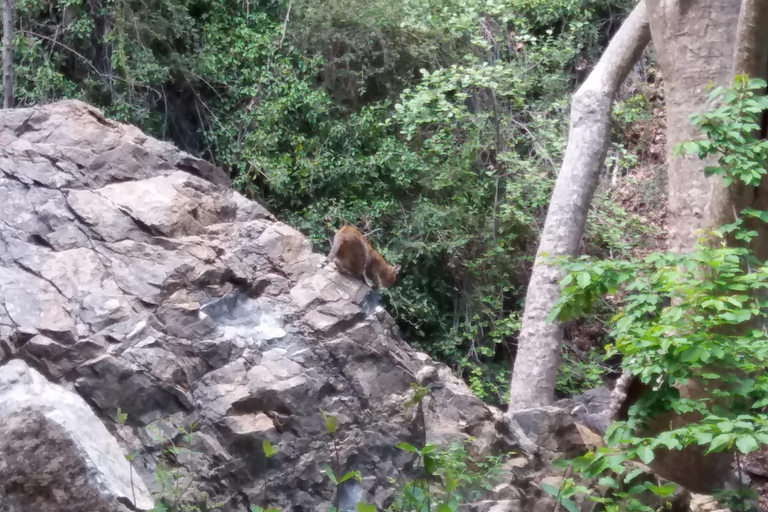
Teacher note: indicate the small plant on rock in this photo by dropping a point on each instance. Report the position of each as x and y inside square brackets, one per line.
[445, 477]
[331, 427]
[176, 494]
[269, 452]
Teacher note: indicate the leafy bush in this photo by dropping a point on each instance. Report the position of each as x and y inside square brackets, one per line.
[688, 317]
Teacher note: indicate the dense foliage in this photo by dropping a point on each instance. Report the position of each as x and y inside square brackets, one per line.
[697, 317]
[435, 126]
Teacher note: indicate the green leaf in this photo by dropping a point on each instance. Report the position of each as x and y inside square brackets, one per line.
[121, 417]
[269, 450]
[583, 279]
[352, 474]
[721, 441]
[429, 448]
[668, 440]
[365, 507]
[331, 423]
[550, 489]
[661, 490]
[430, 464]
[616, 433]
[645, 454]
[329, 472]
[632, 475]
[725, 426]
[691, 148]
[442, 507]
[569, 505]
[695, 353]
[407, 447]
[760, 214]
[746, 444]
[450, 483]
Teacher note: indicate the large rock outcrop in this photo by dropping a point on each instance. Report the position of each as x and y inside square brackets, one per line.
[131, 274]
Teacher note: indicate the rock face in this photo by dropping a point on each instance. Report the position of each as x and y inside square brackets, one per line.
[54, 450]
[132, 274]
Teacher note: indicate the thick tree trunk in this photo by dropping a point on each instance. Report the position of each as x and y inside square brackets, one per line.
[7, 53]
[751, 54]
[538, 352]
[751, 59]
[694, 42]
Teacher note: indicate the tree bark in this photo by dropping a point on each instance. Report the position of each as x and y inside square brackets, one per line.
[751, 59]
[695, 41]
[7, 53]
[539, 345]
[751, 54]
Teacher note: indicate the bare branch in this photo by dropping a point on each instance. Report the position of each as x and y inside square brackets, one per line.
[285, 25]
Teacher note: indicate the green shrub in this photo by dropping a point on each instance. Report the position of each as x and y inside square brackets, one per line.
[694, 316]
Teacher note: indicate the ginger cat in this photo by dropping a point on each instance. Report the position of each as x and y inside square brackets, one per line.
[354, 256]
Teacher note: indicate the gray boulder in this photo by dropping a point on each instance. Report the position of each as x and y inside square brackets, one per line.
[55, 452]
[132, 273]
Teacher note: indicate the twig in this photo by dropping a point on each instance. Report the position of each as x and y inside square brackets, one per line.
[741, 481]
[338, 472]
[560, 491]
[133, 488]
[85, 59]
[285, 25]
[541, 149]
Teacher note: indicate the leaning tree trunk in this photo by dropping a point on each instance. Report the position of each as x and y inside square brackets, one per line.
[7, 53]
[539, 345]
